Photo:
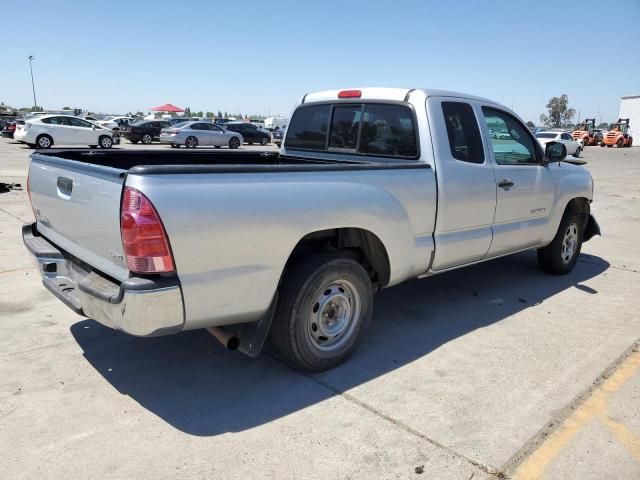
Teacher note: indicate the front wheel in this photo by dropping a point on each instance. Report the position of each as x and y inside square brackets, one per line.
[577, 154]
[620, 143]
[263, 141]
[105, 142]
[324, 308]
[561, 255]
[234, 143]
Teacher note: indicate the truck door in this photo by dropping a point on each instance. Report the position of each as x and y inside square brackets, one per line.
[466, 184]
[526, 187]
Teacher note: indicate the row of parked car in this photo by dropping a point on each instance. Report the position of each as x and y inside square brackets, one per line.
[45, 131]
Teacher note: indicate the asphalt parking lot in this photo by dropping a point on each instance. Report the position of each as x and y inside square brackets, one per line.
[494, 371]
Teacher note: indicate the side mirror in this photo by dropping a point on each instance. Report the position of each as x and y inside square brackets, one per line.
[555, 152]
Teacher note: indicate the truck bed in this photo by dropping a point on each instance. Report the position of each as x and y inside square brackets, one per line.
[212, 161]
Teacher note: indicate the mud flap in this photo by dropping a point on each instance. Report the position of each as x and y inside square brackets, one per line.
[252, 335]
[591, 229]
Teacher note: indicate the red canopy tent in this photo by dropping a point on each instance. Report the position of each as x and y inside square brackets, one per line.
[167, 107]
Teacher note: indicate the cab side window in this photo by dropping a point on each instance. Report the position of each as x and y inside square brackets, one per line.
[463, 132]
[514, 146]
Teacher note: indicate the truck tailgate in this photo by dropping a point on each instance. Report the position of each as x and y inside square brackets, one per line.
[77, 207]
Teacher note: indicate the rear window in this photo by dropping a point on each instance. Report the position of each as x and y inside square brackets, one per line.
[388, 130]
[463, 132]
[371, 129]
[546, 135]
[344, 127]
[308, 128]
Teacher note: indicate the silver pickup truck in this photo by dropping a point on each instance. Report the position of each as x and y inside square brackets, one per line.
[372, 187]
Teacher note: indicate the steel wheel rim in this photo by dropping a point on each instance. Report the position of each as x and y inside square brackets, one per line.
[334, 315]
[569, 243]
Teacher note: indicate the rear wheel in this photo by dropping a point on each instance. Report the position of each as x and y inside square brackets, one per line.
[578, 150]
[263, 141]
[620, 143]
[561, 255]
[191, 142]
[44, 141]
[630, 143]
[105, 141]
[324, 308]
[147, 139]
[217, 146]
[134, 141]
[234, 142]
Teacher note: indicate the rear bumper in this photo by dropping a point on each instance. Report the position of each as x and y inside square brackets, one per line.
[138, 306]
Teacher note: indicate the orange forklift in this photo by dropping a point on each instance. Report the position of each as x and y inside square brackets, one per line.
[618, 135]
[586, 134]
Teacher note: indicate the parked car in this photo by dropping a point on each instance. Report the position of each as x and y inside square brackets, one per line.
[278, 137]
[193, 134]
[372, 187]
[145, 131]
[250, 132]
[44, 131]
[115, 123]
[573, 147]
[9, 128]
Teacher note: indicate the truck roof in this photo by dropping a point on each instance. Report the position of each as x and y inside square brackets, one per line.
[384, 93]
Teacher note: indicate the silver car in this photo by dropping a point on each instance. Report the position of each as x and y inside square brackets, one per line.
[192, 134]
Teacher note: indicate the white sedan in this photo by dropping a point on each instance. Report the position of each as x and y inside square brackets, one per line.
[573, 148]
[48, 130]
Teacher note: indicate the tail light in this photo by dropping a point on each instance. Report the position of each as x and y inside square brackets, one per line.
[145, 242]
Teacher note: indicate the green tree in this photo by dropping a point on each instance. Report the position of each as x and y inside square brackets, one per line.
[210, 115]
[559, 113]
[187, 112]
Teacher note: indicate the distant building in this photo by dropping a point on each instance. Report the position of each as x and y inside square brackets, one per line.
[630, 108]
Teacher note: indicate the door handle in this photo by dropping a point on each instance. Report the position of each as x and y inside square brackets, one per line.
[505, 183]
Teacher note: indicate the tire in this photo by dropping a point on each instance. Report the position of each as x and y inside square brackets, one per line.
[250, 143]
[561, 255]
[602, 144]
[630, 143]
[217, 146]
[263, 141]
[93, 146]
[146, 139]
[134, 141]
[191, 142]
[234, 142]
[577, 154]
[116, 137]
[620, 143]
[324, 308]
[105, 141]
[44, 141]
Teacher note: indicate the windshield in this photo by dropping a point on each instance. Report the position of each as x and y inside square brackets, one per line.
[545, 135]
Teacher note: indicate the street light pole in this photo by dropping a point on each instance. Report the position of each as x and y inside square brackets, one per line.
[31, 58]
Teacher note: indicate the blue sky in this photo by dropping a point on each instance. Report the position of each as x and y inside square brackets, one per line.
[261, 56]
